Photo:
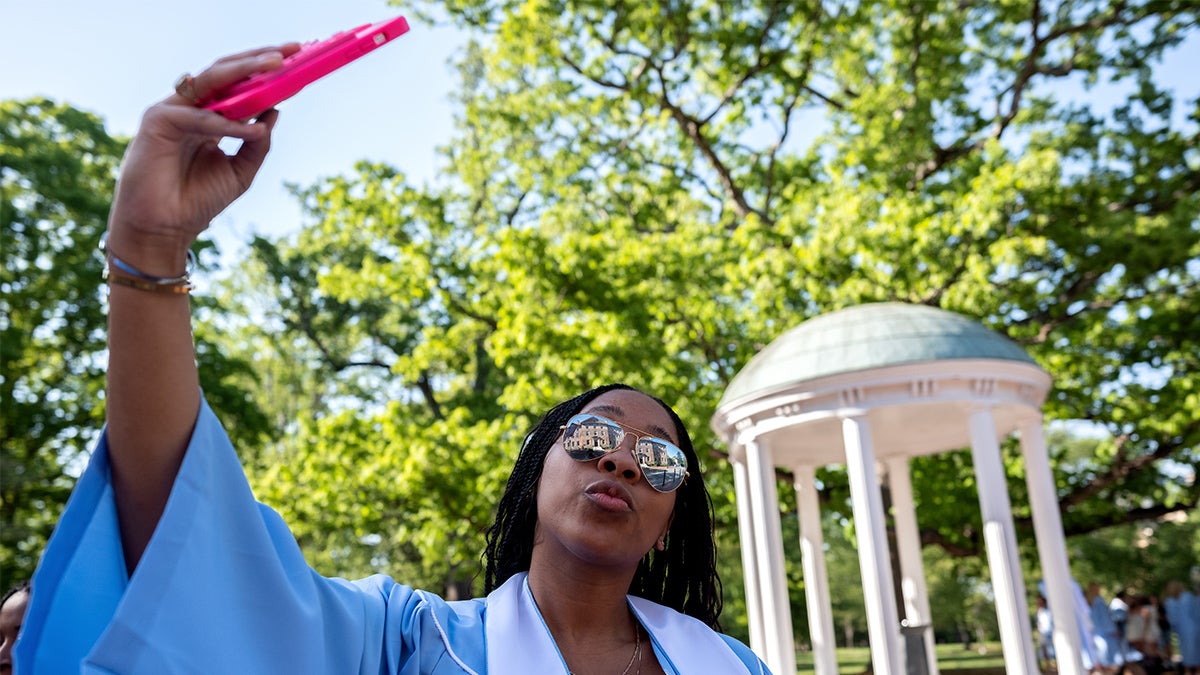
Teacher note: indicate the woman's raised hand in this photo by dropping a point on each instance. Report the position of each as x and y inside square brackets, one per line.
[174, 178]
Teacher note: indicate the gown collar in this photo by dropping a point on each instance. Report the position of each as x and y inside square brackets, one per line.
[518, 640]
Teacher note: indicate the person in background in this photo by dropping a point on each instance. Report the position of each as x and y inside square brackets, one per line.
[1109, 657]
[1164, 630]
[1183, 612]
[1118, 609]
[12, 614]
[1142, 632]
[1044, 623]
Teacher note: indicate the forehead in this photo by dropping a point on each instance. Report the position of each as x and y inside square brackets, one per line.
[634, 409]
[14, 606]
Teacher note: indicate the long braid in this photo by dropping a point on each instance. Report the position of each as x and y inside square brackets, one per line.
[683, 576]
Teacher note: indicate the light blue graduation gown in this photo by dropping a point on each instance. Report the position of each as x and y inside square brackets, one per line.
[1108, 645]
[1183, 613]
[223, 587]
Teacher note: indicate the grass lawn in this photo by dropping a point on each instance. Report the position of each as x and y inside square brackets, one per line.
[951, 657]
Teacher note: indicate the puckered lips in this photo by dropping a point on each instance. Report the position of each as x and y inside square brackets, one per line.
[610, 495]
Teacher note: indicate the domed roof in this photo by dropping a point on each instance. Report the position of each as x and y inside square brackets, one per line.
[875, 335]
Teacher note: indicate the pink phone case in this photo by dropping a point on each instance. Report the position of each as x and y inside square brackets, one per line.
[315, 60]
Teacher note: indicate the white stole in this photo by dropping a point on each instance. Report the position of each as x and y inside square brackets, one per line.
[518, 641]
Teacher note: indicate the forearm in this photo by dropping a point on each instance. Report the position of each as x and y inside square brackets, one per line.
[152, 399]
[174, 180]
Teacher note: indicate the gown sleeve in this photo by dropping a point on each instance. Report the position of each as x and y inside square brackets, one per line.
[222, 587]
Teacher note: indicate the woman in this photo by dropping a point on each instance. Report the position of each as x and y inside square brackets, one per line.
[1044, 623]
[1109, 656]
[600, 560]
[1139, 626]
[1183, 613]
[1142, 632]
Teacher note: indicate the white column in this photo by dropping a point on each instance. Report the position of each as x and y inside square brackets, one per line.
[1052, 547]
[754, 608]
[816, 579]
[883, 623]
[768, 547]
[999, 535]
[912, 568]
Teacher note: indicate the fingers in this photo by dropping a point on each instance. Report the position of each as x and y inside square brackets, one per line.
[186, 120]
[230, 69]
[250, 156]
[286, 49]
[224, 73]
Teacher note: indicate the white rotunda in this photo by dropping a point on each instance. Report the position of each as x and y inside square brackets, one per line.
[871, 387]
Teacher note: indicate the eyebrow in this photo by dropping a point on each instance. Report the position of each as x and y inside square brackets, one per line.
[620, 412]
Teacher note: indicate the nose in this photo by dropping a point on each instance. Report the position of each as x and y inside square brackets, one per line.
[621, 462]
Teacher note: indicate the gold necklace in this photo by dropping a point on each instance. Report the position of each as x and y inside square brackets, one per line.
[637, 652]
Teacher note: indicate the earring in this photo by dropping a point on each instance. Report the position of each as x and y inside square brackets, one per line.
[661, 545]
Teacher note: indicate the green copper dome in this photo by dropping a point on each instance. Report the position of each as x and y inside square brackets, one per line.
[868, 336]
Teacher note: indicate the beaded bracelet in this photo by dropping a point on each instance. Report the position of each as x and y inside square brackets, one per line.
[120, 272]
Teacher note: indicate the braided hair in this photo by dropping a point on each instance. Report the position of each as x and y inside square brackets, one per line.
[683, 576]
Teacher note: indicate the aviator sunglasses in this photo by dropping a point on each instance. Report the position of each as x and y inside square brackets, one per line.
[588, 437]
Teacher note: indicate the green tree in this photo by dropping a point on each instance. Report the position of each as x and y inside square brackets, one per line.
[845, 583]
[57, 171]
[1139, 557]
[652, 191]
[950, 174]
[57, 167]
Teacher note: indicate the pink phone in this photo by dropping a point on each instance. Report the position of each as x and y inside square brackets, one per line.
[315, 60]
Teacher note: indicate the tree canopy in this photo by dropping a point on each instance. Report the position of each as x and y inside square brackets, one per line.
[652, 191]
[630, 197]
[58, 167]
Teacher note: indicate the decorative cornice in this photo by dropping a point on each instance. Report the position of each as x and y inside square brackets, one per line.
[985, 382]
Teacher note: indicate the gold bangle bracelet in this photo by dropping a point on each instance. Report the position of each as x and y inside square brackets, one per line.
[182, 288]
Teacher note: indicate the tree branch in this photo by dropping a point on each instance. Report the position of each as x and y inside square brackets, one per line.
[1123, 469]
[1015, 92]
[1152, 512]
[760, 64]
[932, 537]
[426, 387]
[483, 364]
[692, 129]
[773, 154]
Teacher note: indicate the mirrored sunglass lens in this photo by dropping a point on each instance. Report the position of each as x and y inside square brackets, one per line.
[663, 464]
[588, 437]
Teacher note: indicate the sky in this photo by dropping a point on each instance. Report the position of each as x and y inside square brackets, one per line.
[115, 58]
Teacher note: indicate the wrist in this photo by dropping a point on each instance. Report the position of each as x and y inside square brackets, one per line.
[154, 255]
